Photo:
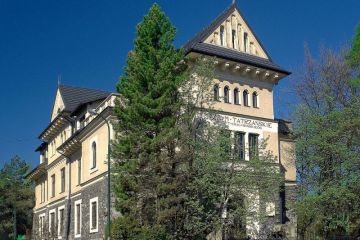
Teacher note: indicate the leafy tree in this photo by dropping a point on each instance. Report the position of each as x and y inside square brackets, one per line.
[328, 137]
[16, 197]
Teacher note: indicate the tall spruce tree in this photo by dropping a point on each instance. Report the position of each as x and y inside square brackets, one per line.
[146, 185]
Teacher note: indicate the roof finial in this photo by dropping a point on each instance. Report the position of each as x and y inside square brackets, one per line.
[59, 80]
[233, 1]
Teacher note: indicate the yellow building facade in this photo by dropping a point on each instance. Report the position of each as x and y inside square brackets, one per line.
[71, 179]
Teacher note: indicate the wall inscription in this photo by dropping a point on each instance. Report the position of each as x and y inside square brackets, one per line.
[242, 122]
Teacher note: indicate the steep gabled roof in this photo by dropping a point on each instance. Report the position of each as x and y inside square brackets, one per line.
[73, 97]
[197, 44]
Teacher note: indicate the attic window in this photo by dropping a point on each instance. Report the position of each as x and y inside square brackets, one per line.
[245, 42]
[222, 35]
[233, 38]
[58, 110]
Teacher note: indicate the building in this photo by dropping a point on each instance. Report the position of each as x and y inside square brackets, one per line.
[71, 178]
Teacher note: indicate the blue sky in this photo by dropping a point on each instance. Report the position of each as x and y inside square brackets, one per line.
[86, 42]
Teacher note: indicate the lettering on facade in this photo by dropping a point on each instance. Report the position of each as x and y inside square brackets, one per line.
[242, 122]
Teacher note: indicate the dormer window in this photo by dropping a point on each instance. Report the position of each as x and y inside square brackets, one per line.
[246, 42]
[222, 35]
[233, 36]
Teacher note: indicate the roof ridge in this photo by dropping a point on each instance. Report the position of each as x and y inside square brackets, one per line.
[83, 88]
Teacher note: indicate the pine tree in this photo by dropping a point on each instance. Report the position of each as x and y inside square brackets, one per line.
[146, 182]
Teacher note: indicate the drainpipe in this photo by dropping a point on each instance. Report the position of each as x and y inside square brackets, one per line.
[69, 193]
[68, 162]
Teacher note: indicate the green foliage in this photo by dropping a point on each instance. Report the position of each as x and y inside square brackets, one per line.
[175, 176]
[15, 192]
[328, 137]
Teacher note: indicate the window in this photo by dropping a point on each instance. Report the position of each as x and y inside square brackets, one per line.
[216, 92]
[246, 98]
[239, 145]
[253, 145]
[53, 185]
[94, 215]
[246, 42]
[41, 225]
[62, 171]
[77, 222]
[79, 171]
[93, 149]
[226, 94]
[61, 218]
[236, 96]
[233, 36]
[225, 144]
[222, 35]
[52, 223]
[255, 99]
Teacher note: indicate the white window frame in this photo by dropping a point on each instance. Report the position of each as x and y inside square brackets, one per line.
[58, 222]
[94, 169]
[50, 223]
[41, 227]
[95, 199]
[78, 202]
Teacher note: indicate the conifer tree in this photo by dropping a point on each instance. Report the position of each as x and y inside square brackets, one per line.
[147, 130]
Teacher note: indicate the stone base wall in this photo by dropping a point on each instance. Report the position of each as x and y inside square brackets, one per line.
[97, 189]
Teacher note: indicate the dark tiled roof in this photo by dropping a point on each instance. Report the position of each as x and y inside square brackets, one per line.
[236, 56]
[197, 45]
[73, 97]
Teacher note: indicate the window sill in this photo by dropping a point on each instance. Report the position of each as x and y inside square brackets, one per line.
[94, 230]
[92, 170]
[256, 107]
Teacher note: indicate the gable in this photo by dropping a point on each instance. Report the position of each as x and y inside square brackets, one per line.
[235, 33]
[58, 105]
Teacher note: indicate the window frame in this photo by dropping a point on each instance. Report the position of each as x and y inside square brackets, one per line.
[41, 225]
[62, 180]
[236, 96]
[233, 37]
[79, 170]
[255, 96]
[53, 185]
[94, 155]
[76, 221]
[245, 97]
[242, 147]
[246, 40]
[251, 152]
[216, 92]
[226, 94]
[94, 200]
[53, 211]
[60, 226]
[222, 35]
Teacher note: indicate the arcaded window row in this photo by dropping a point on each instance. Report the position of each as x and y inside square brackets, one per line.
[236, 96]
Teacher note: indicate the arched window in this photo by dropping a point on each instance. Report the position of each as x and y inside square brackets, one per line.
[222, 35]
[216, 92]
[246, 98]
[255, 99]
[226, 94]
[236, 96]
[245, 42]
[93, 149]
[233, 38]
